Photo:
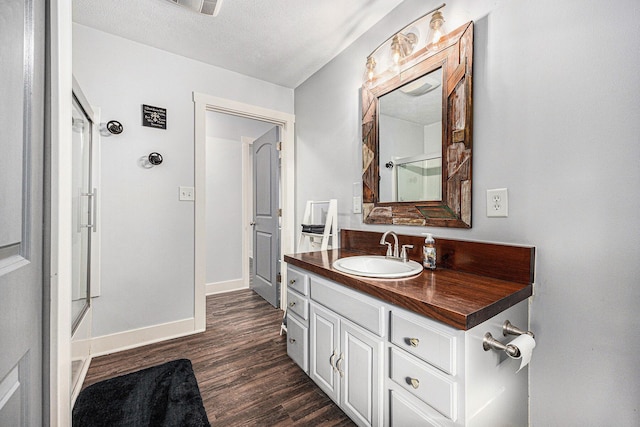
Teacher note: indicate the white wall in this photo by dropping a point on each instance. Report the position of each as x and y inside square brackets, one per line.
[433, 138]
[557, 122]
[148, 235]
[224, 210]
[399, 138]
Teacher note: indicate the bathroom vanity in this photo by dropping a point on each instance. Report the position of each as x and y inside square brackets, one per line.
[405, 352]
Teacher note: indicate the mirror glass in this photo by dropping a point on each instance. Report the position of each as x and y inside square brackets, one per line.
[410, 126]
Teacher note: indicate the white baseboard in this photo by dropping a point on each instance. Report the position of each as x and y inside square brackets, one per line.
[108, 344]
[228, 286]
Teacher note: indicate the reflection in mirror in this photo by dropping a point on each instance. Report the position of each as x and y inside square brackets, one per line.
[410, 124]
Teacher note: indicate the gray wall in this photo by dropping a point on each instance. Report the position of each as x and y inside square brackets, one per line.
[147, 234]
[224, 210]
[556, 121]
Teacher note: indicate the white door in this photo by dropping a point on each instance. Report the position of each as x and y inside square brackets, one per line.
[266, 231]
[22, 160]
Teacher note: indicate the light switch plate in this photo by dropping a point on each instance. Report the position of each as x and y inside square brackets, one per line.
[357, 204]
[187, 193]
[497, 203]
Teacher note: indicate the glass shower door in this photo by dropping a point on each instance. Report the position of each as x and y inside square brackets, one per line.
[83, 211]
[418, 179]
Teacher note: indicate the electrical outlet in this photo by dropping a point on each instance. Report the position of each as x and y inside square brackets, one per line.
[497, 203]
[187, 193]
[357, 204]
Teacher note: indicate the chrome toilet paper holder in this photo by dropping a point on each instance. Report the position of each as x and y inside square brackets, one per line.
[490, 343]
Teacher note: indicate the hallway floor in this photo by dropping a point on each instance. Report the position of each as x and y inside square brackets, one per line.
[241, 363]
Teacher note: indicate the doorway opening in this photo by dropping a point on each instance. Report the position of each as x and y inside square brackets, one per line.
[230, 207]
[205, 105]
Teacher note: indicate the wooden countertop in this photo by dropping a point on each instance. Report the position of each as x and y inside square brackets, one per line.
[456, 298]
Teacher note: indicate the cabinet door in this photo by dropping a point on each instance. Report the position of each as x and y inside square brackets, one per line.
[324, 350]
[360, 369]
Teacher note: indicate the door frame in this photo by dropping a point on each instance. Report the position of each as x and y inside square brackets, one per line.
[247, 208]
[204, 103]
[57, 396]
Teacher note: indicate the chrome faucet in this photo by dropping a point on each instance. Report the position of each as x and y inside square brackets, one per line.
[395, 246]
[404, 257]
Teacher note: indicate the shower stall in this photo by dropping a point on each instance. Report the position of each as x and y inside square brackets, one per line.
[84, 205]
[85, 232]
[417, 178]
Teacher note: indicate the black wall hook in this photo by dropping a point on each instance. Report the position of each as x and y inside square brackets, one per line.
[112, 127]
[155, 158]
[115, 127]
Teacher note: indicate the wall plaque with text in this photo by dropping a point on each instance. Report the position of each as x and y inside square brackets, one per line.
[154, 117]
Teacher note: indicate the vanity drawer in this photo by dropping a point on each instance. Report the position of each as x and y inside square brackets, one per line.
[403, 413]
[431, 343]
[297, 304]
[359, 308]
[298, 281]
[297, 343]
[424, 382]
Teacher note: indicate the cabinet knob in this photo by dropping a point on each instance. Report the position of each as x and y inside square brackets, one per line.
[414, 342]
[292, 340]
[292, 281]
[292, 303]
[414, 382]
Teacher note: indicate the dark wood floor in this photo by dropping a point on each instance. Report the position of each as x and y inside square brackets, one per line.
[241, 363]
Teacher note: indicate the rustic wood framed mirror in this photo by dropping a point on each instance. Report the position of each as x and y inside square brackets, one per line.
[417, 138]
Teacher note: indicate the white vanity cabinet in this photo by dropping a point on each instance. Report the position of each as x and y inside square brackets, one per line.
[438, 375]
[422, 380]
[298, 318]
[388, 366]
[345, 356]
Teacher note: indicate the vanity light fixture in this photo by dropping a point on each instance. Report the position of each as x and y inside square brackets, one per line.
[404, 42]
[436, 31]
[371, 67]
[402, 45]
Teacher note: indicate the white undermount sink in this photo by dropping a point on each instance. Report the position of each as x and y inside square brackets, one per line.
[377, 266]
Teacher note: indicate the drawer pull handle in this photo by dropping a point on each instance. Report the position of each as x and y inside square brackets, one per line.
[292, 303]
[332, 360]
[414, 342]
[414, 382]
[292, 340]
[292, 281]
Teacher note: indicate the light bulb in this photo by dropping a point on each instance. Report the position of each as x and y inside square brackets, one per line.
[369, 74]
[396, 56]
[395, 49]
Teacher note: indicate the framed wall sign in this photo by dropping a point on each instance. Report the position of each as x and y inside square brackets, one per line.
[154, 117]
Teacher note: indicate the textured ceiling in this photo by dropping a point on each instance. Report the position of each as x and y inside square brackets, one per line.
[279, 41]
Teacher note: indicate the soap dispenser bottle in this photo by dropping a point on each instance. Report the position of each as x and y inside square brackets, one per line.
[429, 252]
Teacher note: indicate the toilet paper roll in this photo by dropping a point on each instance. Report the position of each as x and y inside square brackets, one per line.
[525, 344]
